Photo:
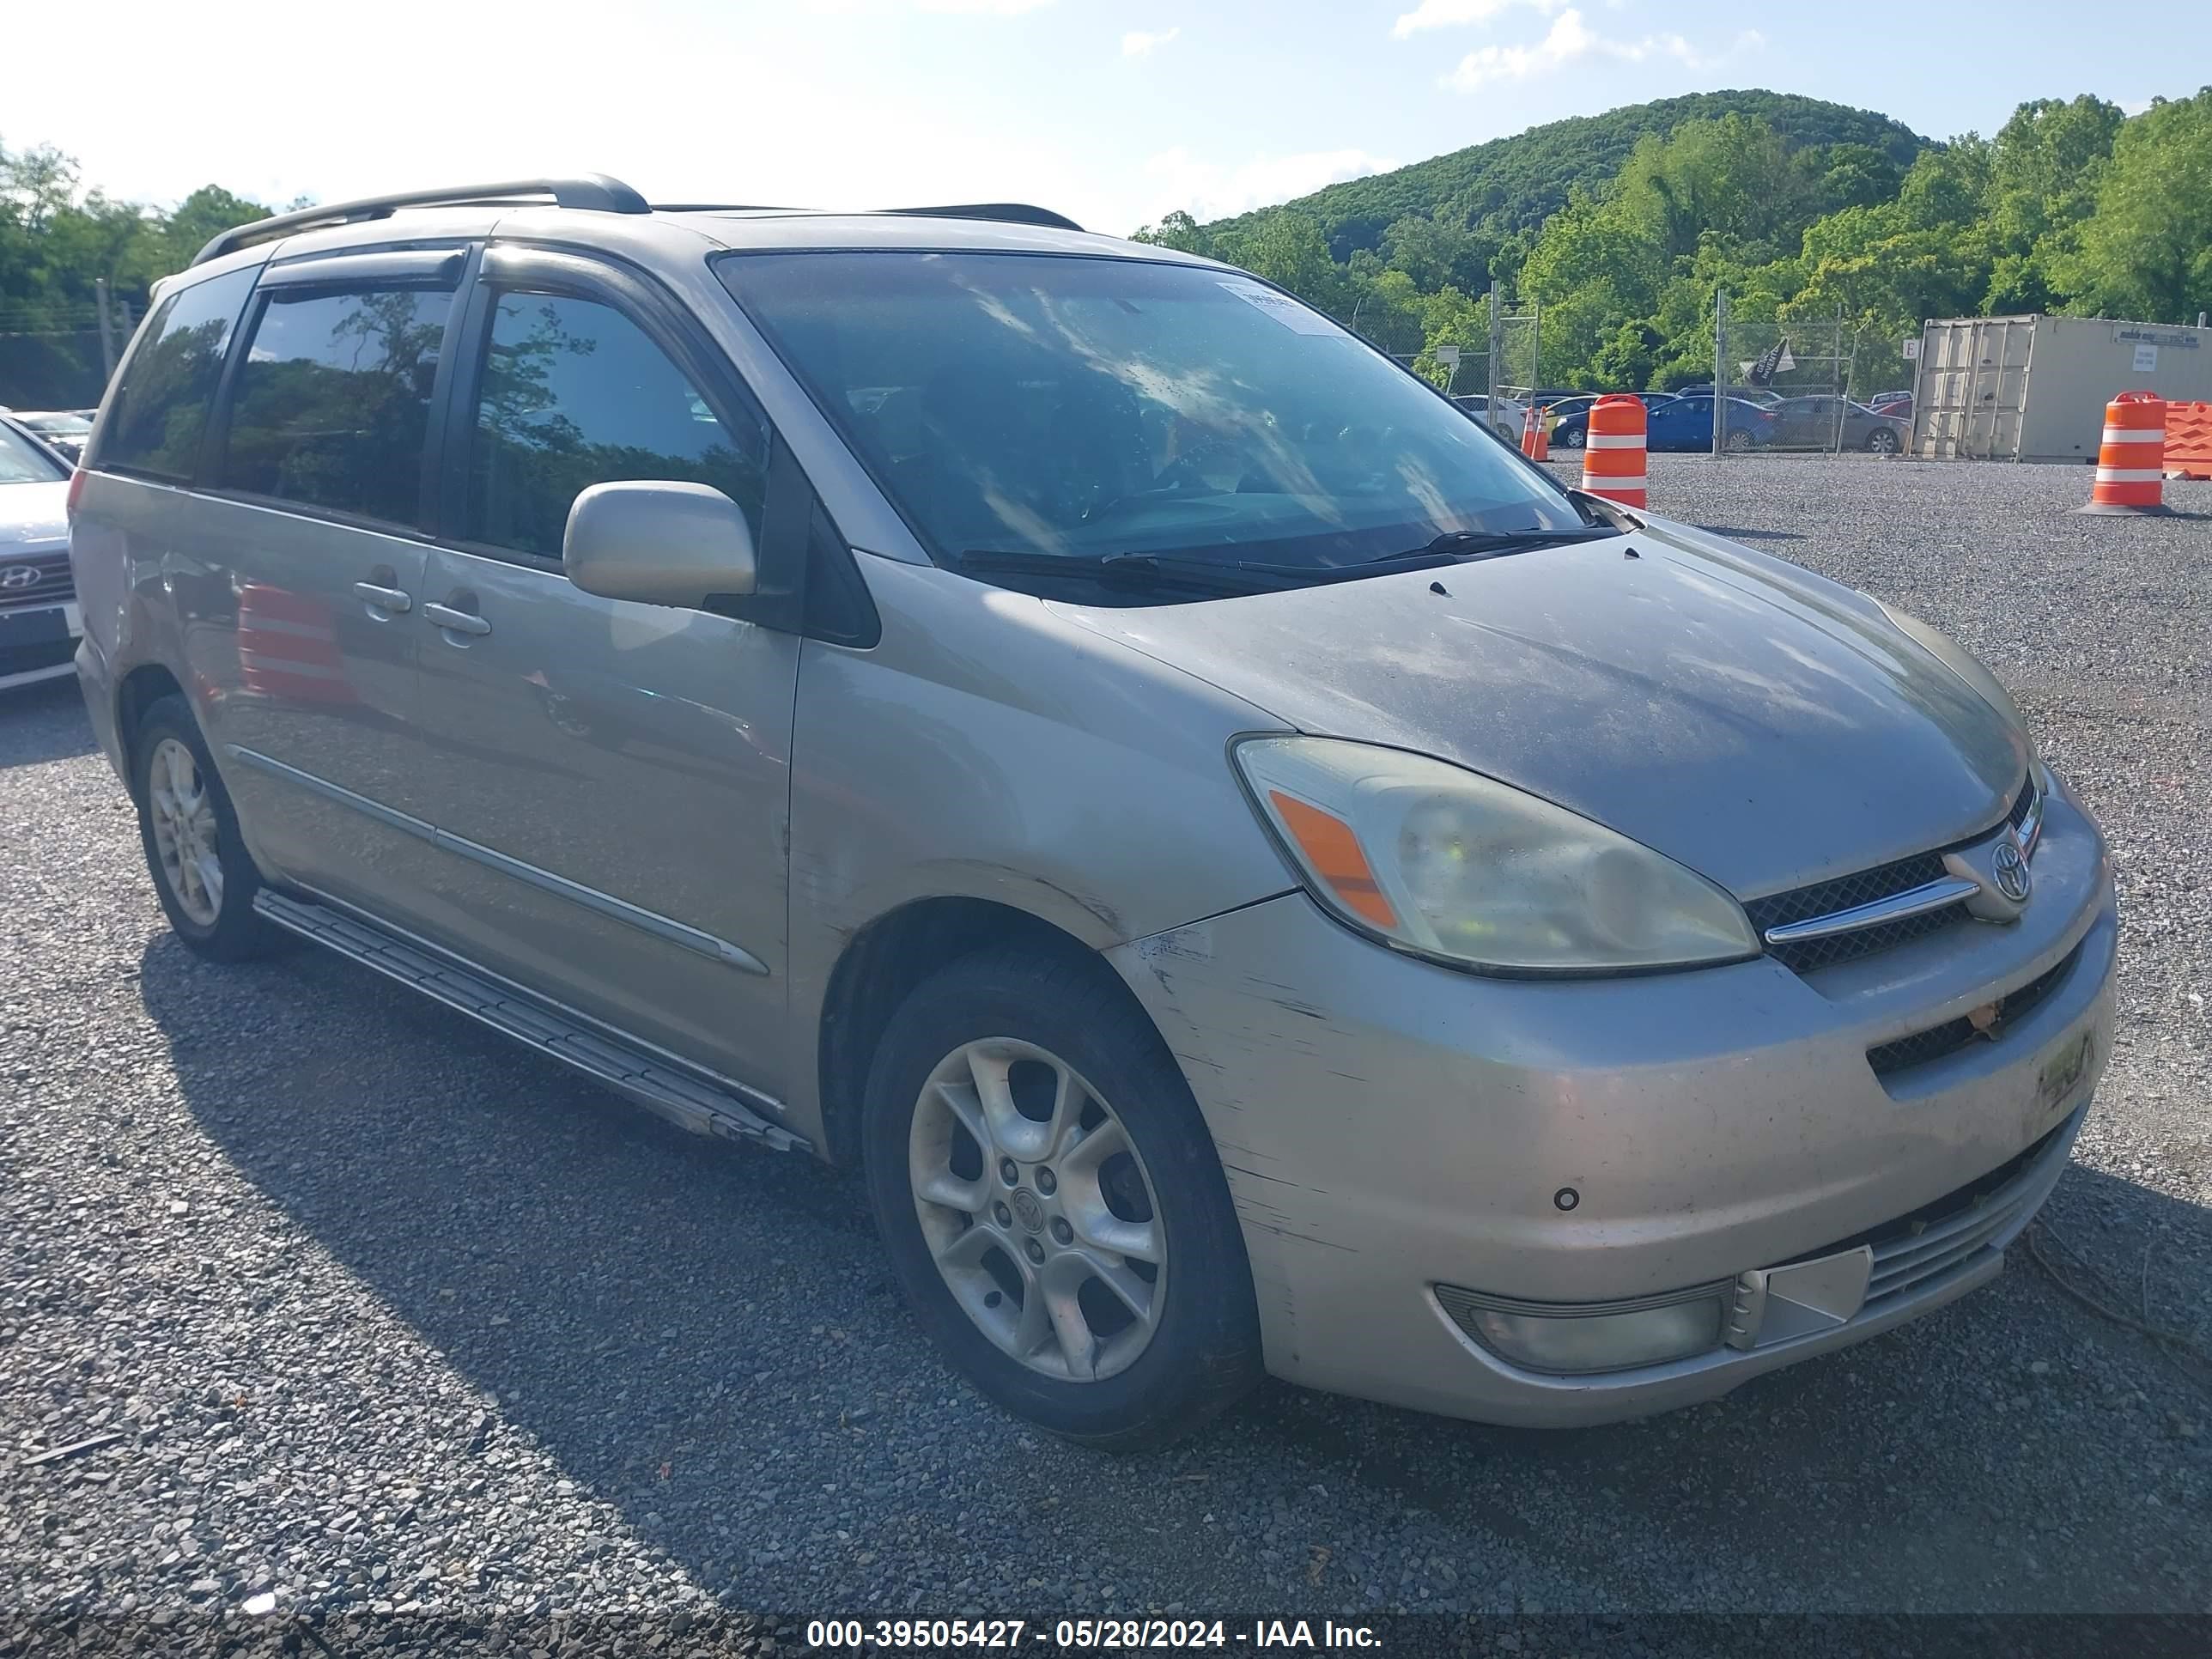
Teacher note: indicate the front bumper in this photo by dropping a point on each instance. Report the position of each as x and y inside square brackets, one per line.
[1389, 1127]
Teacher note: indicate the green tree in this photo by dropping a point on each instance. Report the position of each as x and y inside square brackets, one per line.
[2146, 249]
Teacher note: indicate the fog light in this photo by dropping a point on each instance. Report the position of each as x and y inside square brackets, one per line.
[1596, 1336]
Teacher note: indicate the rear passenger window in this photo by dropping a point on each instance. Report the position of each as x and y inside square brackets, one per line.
[161, 408]
[573, 394]
[333, 400]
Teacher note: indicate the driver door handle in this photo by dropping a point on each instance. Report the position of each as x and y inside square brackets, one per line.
[459, 621]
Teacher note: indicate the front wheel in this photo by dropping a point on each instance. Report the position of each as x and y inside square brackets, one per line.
[202, 871]
[1882, 442]
[1053, 1205]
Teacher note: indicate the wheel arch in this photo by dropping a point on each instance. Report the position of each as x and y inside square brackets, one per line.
[135, 693]
[881, 966]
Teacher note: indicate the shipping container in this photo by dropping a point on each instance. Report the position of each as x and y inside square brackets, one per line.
[2034, 388]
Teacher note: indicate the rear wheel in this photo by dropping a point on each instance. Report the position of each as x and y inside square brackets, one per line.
[1572, 437]
[1053, 1205]
[1738, 440]
[202, 872]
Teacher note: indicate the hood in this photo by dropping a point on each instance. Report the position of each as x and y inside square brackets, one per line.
[32, 514]
[1748, 719]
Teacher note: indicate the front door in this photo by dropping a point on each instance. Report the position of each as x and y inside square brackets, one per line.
[305, 553]
[610, 779]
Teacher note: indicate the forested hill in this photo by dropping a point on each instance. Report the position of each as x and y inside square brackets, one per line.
[1514, 183]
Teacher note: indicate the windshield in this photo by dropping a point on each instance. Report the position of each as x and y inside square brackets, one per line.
[23, 462]
[1078, 407]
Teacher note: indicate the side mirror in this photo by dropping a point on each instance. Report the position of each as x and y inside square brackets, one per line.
[681, 544]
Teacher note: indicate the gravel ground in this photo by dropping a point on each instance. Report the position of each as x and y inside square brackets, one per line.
[380, 1314]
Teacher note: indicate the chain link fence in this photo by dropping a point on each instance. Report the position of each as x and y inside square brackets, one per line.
[1798, 386]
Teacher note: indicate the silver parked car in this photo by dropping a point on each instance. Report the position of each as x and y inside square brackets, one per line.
[39, 621]
[1257, 877]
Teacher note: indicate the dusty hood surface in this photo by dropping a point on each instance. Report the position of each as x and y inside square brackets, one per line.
[1760, 724]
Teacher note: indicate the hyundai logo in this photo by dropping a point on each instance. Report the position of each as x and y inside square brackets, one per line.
[20, 575]
[2009, 869]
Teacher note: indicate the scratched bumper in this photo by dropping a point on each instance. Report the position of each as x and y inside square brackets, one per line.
[1389, 1126]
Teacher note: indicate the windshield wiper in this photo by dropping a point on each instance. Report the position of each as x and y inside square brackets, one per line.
[1465, 546]
[1136, 569]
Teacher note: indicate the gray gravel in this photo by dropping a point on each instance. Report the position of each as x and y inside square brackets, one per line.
[389, 1316]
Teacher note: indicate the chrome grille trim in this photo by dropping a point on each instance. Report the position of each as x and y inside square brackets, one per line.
[1846, 917]
[51, 583]
[1933, 895]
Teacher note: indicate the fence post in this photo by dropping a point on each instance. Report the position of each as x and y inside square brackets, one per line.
[1720, 371]
[1491, 381]
[107, 332]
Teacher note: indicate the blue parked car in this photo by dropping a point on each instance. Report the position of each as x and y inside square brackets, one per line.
[1686, 422]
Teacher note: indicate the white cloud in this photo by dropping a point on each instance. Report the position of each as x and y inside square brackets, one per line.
[1137, 43]
[1448, 14]
[1570, 38]
[1211, 190]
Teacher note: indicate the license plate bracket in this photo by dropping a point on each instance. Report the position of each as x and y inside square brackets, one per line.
[2062, 1072]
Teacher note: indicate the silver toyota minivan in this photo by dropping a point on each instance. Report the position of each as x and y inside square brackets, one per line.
[1257, 877]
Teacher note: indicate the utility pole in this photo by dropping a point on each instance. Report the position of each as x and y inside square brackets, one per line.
[107, 332]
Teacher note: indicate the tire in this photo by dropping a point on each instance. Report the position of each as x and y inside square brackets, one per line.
[1572, 438]
[1738, 441]
[209, 909]
[1065, 1031]
[1882, 442]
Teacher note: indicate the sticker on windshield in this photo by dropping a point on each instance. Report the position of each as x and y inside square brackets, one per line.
[1283, 309]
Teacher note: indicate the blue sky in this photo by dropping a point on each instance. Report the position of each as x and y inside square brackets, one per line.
[1114, 113]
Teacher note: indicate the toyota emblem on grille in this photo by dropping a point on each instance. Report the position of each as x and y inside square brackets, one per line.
[2009, 871]
[20, 575]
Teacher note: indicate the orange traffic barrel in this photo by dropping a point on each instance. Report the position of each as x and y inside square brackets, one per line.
[2131, 460]
[1612, 453]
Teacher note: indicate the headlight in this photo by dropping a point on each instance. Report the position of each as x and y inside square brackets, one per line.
[1443, 861]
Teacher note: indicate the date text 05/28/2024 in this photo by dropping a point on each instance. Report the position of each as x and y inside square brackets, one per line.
[1117, 1635]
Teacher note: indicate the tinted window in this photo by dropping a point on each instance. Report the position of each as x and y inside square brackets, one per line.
[161, 405]
[333, 400]
[573, 394]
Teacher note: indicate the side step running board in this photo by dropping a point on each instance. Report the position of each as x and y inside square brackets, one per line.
[648, 1079]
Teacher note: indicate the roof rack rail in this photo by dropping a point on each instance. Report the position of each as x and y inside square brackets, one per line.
[1012, 213]
[592, 191]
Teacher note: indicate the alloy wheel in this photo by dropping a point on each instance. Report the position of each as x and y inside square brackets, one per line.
[1037, 1210]
[184, 834]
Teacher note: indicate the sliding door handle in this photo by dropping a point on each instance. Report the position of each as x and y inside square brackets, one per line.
[456, 621]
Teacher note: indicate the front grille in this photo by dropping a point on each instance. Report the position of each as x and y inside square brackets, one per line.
[1826, 898]
[1956, 1227]
[1953, 1034]
[49, 584]
[1947, 1232]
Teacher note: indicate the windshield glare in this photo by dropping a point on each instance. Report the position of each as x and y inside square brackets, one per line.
[1083, 407]
[21, 463]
